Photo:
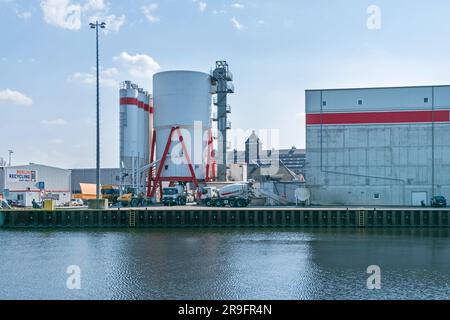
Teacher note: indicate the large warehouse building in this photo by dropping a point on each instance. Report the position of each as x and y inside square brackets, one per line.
[379, 146]
[24, 184]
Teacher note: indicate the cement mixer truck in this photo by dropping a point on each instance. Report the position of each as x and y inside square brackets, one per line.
[235, 196]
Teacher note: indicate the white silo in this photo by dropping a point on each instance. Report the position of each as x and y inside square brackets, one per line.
[128, 121]
[151, 127]
[182, 99]
[140, 127]
[146, 133]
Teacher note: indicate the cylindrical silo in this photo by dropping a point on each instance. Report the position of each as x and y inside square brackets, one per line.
[182, 99]
[128, 121]
[146, 133]
[140, 127]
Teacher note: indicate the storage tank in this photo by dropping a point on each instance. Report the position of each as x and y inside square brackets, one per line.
[151, 113]
[140, 127]
[181, 99]
[128, 124]
[146, 132]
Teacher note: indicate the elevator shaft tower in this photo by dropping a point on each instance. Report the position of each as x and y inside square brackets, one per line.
[221, 80]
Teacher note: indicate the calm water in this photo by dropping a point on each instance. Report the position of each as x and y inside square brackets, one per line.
[225, 264]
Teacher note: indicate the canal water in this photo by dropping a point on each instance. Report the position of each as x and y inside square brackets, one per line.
[225, 264]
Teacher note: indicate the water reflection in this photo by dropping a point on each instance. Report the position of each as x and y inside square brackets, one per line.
[226, 264]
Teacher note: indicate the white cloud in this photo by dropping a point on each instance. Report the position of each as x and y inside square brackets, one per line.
[149, 12]
[62, 13]
[8, 96]
[72, 16]
[139, 65]
[110, 72]
[261, 22]
[237, 5]
[201, 5]
[24, 15]
[237, 24]
[108, 77]
[96, 5]
[54, 122]
[215, 11]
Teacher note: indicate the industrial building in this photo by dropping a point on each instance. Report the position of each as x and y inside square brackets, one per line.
[24, 184]
[294, 159]
[291, 159]
[378, 146]
[108, 177]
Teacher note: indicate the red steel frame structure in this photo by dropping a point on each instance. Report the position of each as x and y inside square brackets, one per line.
[153, 184]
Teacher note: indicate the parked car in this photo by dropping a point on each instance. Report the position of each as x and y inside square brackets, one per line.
[77, 203]
[438, 202]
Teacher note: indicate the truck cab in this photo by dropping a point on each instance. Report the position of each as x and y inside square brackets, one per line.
[174, 196]
[208, 195]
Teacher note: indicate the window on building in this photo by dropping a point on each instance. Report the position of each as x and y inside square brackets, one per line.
[20, 197]
[324, 103]
[426, 100]
[377, 196]
[360, 102]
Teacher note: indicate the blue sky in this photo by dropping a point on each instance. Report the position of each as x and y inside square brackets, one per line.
[275, 48]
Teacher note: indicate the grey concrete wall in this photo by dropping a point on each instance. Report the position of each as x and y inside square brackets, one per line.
[350, 164]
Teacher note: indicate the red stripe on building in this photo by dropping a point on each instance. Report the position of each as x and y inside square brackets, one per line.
[378, 117]
[128, 101]
[140, 105]
[152, 110]
[146, 107]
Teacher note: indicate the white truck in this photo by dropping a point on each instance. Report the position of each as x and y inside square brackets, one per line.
[174, 196]
[234, 195]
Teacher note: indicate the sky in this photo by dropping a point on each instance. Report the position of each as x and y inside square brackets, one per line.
[276, 50]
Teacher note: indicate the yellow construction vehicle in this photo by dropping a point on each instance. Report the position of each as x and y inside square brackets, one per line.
[112, 193]
[130, 199]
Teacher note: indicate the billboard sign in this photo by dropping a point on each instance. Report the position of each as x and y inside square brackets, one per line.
[19, 175]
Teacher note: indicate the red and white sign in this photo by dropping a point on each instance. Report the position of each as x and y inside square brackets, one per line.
[20, 175]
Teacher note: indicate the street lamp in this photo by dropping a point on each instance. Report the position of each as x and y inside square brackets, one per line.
[10, 153]
[96, 26]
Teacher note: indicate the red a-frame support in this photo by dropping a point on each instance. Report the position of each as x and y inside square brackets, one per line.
[158, 179]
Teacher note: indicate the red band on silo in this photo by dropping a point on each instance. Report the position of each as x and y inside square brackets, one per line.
[128, 101]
